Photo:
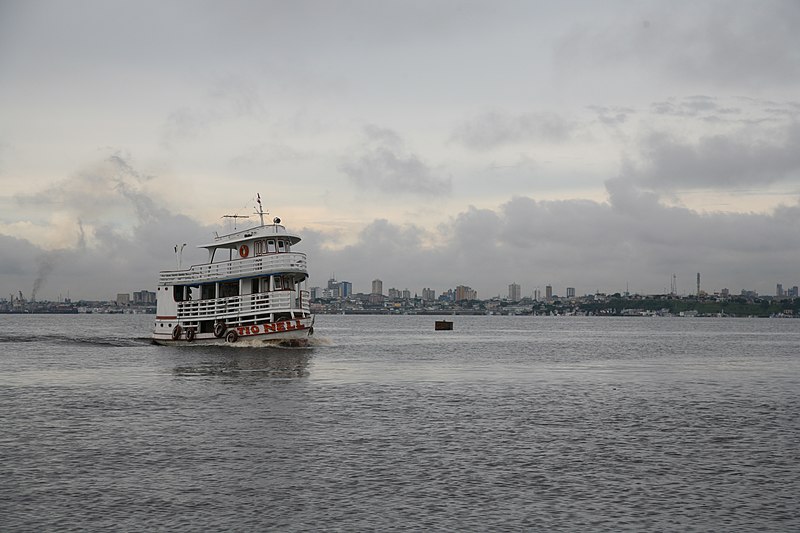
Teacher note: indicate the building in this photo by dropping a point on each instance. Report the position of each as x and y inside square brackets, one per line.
[548, 292]
[429, 295]
[514, 292]
[394, 294]
[465, 293]
[143, 298]
[793, 292]
[570, 292]
[377, 286]
[123, 299]
[406, 294]
[779, 290]
[345, 289]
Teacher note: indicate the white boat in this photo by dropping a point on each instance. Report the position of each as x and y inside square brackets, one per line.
[251, 290]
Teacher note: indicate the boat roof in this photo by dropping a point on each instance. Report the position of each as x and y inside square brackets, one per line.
[233, 240]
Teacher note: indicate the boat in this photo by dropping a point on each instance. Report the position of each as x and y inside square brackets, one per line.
[250, 291]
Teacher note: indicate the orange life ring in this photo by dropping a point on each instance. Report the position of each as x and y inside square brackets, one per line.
[244, 251]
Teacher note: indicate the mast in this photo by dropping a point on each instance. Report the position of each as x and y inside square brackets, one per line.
[260, 208]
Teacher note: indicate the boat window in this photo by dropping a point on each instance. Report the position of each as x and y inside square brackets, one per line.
[207, 291]
[254, 286]
[177, 293]
[270, 247]
[228, 289]
[258, 247]
[281, 247]
[278, 283]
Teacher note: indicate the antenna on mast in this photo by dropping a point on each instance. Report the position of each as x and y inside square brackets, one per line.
[234, 217]
[260, 209]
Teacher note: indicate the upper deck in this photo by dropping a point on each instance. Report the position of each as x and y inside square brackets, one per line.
[276, 263]
[237, 238]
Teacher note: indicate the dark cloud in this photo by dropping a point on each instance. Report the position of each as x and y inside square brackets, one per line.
[745, 158]
[382, 164]
[632, 239]
[494, 129]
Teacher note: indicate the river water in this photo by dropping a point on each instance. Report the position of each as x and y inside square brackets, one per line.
[503, 424]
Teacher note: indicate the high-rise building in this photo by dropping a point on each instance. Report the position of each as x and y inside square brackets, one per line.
[429, 295]
[377, 286]
[779, 289]
[345, 289]
[123, 299]
[144, 297]
[406, 294]
[548, 292]
[465, 293]
[793, 292]
[570, 292]
[514, 292]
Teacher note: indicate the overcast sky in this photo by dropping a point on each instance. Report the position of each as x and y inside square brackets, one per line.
[595, 145]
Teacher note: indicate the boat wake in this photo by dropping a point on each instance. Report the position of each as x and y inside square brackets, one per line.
[82, 340]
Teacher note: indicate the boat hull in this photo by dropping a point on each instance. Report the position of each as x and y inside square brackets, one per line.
[294, 332]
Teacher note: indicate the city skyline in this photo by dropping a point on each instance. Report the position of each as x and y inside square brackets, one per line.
[603, 147]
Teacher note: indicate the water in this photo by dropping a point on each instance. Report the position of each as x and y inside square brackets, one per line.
[504, 424]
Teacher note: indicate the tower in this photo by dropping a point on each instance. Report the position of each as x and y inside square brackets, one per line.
[514, 292]
[698, 284]
[377, 286]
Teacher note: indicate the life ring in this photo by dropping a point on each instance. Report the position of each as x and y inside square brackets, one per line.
[244, 250]
[190, 335]
[219, 329]
[232, 336]
[176, 332]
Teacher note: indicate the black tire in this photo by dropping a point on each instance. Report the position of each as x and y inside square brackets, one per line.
[232, 336]
[219, 329]
[190, 335]
[176, 332]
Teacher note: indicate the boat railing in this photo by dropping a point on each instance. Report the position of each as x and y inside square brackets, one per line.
[278, 262]
[261, 303]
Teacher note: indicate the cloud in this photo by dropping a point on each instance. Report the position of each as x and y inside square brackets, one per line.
[578, 243]
[744, 158]
[613, 115]
[693, 106]
[120, 236]
[384, 165]
[495, 129]
[107, 188]
[728, 44]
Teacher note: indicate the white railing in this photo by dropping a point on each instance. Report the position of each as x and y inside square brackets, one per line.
[261, 303]
[265, 264]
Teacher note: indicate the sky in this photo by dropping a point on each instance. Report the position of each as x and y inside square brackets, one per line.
[595, 145]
